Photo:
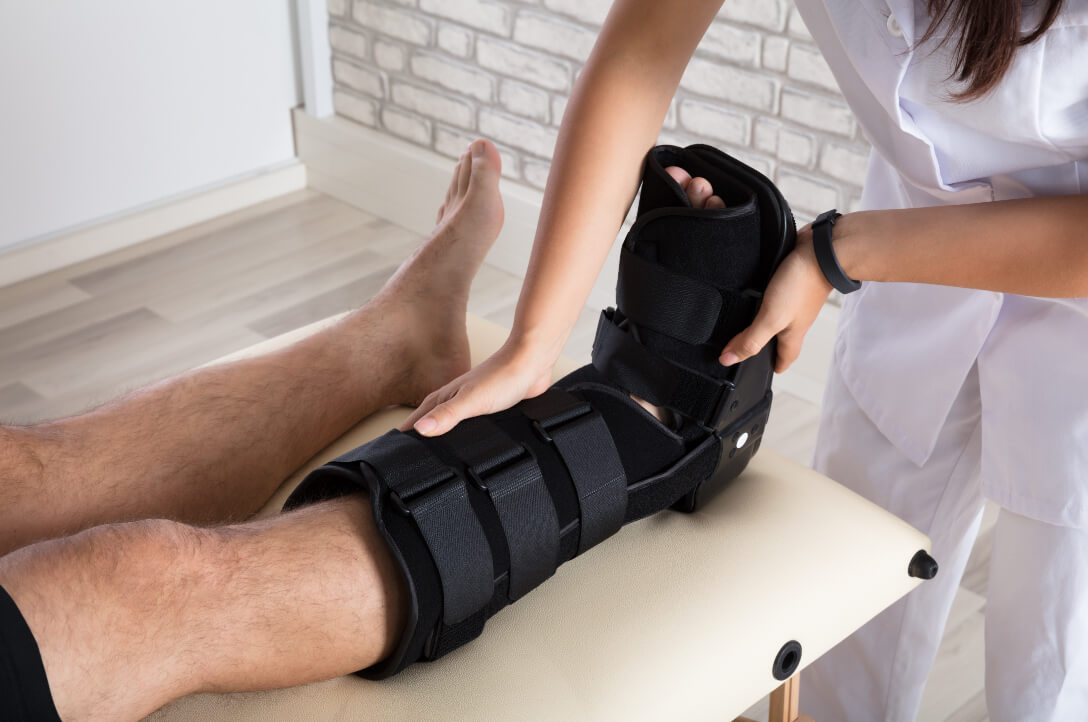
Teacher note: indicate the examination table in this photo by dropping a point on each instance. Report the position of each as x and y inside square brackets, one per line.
[677, 617]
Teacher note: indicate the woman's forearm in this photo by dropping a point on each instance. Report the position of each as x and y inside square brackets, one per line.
[594, 176]
[1031, 247]
[613, 117]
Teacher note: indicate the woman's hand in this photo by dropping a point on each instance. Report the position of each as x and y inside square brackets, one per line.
[793, 299]
[516, 371]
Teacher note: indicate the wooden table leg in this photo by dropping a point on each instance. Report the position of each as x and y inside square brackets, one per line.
[784, 704]
[784, 701]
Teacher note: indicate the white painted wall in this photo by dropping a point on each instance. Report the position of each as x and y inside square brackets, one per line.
[117, 104]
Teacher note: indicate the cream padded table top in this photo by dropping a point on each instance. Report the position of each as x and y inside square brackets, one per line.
[676, 617]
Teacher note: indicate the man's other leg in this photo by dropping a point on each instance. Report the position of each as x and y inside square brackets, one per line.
[131, 616]
[213, 445]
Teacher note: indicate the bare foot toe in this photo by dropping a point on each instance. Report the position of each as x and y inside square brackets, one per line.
[699, 190]
[679, 175]
[473, 203]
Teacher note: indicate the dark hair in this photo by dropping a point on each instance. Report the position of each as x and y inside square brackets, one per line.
[987, 38]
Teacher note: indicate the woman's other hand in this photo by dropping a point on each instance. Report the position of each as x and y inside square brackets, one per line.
[793, 299]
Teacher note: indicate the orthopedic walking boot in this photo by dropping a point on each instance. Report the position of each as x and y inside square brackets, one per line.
[480, 516]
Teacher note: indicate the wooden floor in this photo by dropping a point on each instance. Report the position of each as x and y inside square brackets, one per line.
[87, 333]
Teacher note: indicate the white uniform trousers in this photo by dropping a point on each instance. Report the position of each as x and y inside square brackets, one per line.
[1036, 627]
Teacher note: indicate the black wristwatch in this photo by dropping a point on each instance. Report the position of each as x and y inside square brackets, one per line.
[825, 253]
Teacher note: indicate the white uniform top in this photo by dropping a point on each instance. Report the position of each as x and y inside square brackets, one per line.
[905, 349]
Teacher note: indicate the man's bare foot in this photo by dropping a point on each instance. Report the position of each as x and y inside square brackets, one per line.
[427, 297]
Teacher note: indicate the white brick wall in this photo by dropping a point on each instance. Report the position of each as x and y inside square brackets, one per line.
[441, 72]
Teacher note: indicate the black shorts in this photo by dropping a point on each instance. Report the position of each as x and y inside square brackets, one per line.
[24, 689]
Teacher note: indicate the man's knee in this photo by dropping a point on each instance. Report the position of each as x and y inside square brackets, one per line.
[130, 556]
[114, 595]
[150, 544]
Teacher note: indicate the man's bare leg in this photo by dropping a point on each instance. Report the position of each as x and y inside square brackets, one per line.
[213, 445]
[131, 616]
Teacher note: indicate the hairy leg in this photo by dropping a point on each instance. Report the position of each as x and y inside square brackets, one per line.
[213, 445]
[131, 616]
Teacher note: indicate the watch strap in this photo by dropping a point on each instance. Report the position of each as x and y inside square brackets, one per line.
[825, 253]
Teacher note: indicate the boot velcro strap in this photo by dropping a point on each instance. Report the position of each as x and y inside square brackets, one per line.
[436, 498]
[585, 444]
[508, 474]
[680, 306]
[656, 379]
